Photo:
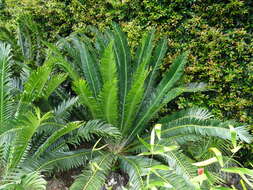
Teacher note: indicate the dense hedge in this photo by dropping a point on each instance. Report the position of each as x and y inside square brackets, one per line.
[218, 34]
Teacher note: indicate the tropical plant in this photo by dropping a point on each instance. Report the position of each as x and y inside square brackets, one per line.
[32, 142]
[127, 92]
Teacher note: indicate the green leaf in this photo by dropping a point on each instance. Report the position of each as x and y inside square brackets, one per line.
[218, 155]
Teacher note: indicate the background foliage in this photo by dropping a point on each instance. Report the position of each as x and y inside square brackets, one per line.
[217, 33]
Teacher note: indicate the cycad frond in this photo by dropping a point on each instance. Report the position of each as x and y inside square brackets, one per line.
[55, 136]
[24, 180]
[154, 104]
[5, 84]
[136, 168]
[173, 75]
[86, 97]
[123, 58]
[209, 127]
[176, 181]
[156, 61]
[53, 83]
[62, 109]
[109, 93]
[99, 128]
[28, 124]
[62, 62]
[61, 161]
[34, 85]
[181, 164]
[144, 51]
[198, 113]
[89, 67]
[134, 96]
[94, 177]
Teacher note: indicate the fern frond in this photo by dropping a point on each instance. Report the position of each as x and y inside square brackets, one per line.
[94, 177]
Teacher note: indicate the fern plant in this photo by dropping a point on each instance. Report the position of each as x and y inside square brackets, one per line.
[127, 92]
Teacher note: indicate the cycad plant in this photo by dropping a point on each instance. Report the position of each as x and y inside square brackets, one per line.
[127, 92]
[32, 142]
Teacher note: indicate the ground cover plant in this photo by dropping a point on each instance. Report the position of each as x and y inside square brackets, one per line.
[124, 90]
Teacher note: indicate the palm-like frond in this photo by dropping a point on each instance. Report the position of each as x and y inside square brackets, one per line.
[64, 64]
[197, 113]
[24, 180]
[89, 67]
[34, 86]
[63, 108]
[109, 93]
[53, 83]
[94, 177]
[53, 138]
[123, 58]
[134, 97]
[136, 168]
[28, 123]
[5, 84]
[59, 160]
[213, 128]
[159, 54]
[99, 128]
[144, 51]
[181, 164]
[86, 98]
